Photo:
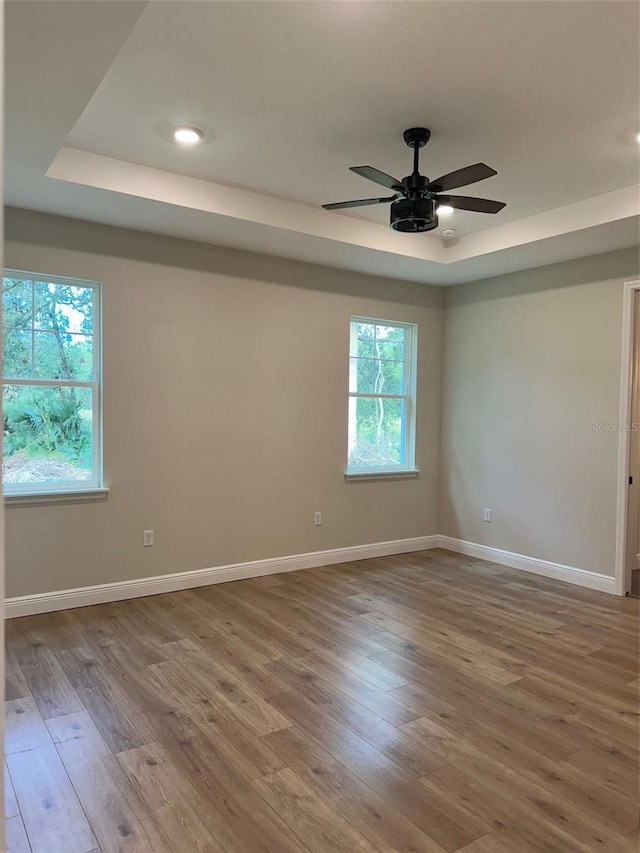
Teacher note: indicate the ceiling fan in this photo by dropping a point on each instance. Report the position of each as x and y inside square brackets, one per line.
[416, 198]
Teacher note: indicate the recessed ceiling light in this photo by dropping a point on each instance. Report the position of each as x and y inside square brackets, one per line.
[448, 232]
[444, 210]
[638, 138]
[187, 135]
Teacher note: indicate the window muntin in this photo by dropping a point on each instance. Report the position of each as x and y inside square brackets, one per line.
[51, 384]
[382, 368]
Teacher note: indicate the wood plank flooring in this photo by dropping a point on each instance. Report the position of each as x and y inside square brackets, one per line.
[423, 703]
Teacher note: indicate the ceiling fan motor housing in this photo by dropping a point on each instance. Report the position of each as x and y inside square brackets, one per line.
[414, 215]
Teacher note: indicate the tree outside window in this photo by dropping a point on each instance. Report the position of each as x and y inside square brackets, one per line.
[51, 384]
[381, 396]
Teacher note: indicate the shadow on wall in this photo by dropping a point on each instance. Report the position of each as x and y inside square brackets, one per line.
[26, 226]
[620, 265]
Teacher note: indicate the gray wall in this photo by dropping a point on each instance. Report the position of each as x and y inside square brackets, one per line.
[225, 406]
[225, 391]
[532, 359]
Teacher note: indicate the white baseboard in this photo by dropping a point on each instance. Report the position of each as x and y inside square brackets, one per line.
[569, 574]
[28, 605]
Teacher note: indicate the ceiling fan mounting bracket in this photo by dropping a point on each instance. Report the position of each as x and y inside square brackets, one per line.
[416, 137]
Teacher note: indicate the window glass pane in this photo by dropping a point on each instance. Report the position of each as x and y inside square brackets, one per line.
[17, 303]
[376, 432]
[390, 342]
[363, 340]
[63, 307]
[48, 435]
[17, 354]
[58, 355]
[361, 375]
[370, 376]
[389, 377]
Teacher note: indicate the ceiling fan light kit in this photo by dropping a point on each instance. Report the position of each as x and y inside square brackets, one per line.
[415, 202]
[414, 215]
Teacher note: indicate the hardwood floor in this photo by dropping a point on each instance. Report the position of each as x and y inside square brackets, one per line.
[424, 703]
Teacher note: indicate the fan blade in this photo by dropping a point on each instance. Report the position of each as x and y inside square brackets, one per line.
[361, 202]
[377, 177]
[465, 202]
[462, 177]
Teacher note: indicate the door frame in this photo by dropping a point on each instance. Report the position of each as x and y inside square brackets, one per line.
[622, 575]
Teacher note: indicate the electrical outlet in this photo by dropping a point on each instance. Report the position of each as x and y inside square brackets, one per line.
[147, 538]
[317, 518]
[487, 515]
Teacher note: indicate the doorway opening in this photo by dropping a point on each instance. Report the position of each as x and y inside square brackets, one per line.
[627, 568]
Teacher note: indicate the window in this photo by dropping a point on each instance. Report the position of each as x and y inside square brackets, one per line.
[51, 387]
[382, 374]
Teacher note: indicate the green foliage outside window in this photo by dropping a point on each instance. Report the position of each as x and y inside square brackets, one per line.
[378, 386]
[48, 331]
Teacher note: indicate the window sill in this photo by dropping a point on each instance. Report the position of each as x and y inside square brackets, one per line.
[61, 497]
[352, 477]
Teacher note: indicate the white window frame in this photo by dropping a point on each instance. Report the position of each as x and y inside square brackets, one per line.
[93, 487]
[408, 467]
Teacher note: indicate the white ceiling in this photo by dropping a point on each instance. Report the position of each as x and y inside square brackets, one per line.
[290, 94]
